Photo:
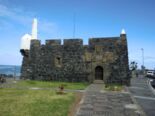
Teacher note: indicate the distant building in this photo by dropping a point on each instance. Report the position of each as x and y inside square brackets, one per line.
[103, 59]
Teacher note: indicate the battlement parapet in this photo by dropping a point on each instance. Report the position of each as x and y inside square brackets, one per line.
[102, 41]
[53, 42]
[71, 42]
[36, 43]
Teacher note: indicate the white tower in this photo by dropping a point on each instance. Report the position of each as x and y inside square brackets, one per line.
[26, 39]
[25, 42]
[34, 29]
[123, 31]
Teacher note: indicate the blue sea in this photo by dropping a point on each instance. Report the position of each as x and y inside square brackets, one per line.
[10, 69]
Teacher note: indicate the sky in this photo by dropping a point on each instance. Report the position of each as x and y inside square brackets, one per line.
[92, 18]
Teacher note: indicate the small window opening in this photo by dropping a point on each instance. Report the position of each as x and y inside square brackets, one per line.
[58, 61]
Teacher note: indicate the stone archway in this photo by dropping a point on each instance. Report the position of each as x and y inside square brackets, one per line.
[98, 73]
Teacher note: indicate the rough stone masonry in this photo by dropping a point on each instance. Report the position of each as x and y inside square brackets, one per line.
[102, 59]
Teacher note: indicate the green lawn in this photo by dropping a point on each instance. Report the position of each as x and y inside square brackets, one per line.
[46, 84]
[19, 100]
[15, 102]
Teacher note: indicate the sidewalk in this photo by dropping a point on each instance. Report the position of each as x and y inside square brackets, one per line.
[143, 94]
[97, 102]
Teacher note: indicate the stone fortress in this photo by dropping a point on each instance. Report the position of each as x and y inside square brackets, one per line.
[103, 59]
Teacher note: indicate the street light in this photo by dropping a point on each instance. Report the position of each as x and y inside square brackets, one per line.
[143, 67]
[142, 56]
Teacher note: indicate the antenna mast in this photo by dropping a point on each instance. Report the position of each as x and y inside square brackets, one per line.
[74, 24]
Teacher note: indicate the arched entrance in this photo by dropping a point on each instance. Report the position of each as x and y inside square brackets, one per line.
[98, 73]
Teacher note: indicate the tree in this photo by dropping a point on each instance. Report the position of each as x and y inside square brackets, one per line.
[143, 69]
[133, 66]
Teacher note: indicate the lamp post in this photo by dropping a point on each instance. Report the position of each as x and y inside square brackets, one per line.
[74, 24]
[143, 67]
[142, 56]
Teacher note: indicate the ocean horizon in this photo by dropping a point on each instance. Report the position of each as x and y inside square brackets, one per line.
[10, 69]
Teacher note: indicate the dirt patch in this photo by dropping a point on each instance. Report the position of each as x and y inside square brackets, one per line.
[75, 105]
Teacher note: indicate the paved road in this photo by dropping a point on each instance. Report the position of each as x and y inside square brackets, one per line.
[97, 102]
[143, 95]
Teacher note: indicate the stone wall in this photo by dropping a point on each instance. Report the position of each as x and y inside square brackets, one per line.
[76, 62]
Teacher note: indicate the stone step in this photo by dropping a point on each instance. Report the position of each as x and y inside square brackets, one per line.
[99, 81]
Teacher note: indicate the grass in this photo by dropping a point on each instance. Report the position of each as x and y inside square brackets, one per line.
[113, 87]
[15, 102]
[46, 84]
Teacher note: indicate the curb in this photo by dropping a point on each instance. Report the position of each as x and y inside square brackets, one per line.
[80, 103]
[150, 86]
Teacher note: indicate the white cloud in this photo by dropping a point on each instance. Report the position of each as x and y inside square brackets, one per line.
[17, 15]
[25, 18]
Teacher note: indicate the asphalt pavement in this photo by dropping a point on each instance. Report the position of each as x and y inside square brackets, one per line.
[144, 95]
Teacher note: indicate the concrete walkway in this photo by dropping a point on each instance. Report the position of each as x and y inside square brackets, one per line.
[97, 102]
[143, 94]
